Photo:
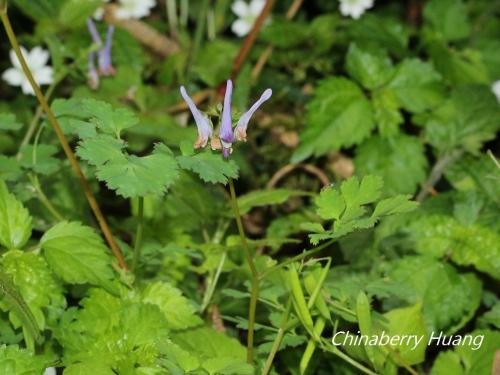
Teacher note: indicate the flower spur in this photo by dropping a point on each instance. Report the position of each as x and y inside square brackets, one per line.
[227, 135]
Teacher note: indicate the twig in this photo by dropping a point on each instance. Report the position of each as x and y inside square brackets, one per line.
[144, 33]
[62, 138]
[282, 172]
[436, 173]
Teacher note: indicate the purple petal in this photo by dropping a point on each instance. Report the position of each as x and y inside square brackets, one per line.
[240, 132]
[96, 38]
[204, 128]
[226, 129]
[105, 66]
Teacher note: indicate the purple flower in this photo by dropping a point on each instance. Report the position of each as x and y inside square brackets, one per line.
[204, 127]
[226, 128]
[105, 66]
[227, 136]
[103, 55]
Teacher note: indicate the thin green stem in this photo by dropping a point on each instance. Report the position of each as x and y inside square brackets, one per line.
[296, 258]
[62, 138]
[213, 283]
[43, 198]
[254, 292]
[198, 35]
[277, 340]
[333, 349]
[138, 234]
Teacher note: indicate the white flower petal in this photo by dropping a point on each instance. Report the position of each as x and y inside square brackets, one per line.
[13, 57]
[37, 58]
[240, 8]
[27, 89]
[134, 8]
[98, 14]
[241, 27]
[13, 77]
[50, 371]
[256, 7]
[44, 75]
[495, 87]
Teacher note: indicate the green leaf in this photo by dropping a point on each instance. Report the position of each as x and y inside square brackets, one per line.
[408, 321]
[440, 235]
[284, 33]
[386, 112]
[371, 68]
[8, 122]
[77, 254]
[74, 13]
[109, 120]
[214, 61]
[474, 357]
[400, 161]
[100, 150]
[347, 207]
[10, 168]
[338, 116]
[416, 85]
[216, 352]
[40, 159]
[15, 220]
[179, 312]
[211, 167]
[470, 117]
[14, 360]
[448, 18]
[36, 284]
[259, 198]
[449, 298]
[133, 176]
[40, 8]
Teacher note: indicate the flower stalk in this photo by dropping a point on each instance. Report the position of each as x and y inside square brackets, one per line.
[254, 292]
[138, 234]
[62, 138]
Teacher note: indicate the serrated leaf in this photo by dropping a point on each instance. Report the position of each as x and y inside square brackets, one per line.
[8, 122]
[109, 120]
[179, 312]
[40, 158]
[211, 167]
[448, 18]
[36, 284]
[440, 235]
[371, 68]
[347, 207]
[100, 150]
[14, 360]
[416, 85]
[400, 161]
[477, 358]
[258, 198]
[15, 220]
[386, 112]
[449, 298]
[77, 254]
[470, 117]
[133, 176]
[338, 116]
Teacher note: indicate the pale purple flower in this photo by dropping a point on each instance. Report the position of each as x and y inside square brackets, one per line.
[103, 55]
[202, 123]
[105, 66]
[227, 136]
[226, 128]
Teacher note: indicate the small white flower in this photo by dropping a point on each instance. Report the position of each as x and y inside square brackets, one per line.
[355, 8]
[50, 371]
[495, 87]
[247, 14]
[134, 8]
[99, 12]
[37, 60]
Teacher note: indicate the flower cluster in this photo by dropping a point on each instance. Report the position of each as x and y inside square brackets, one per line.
[247, 15]
[103, 55]
[227, 136]
[128, 9]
